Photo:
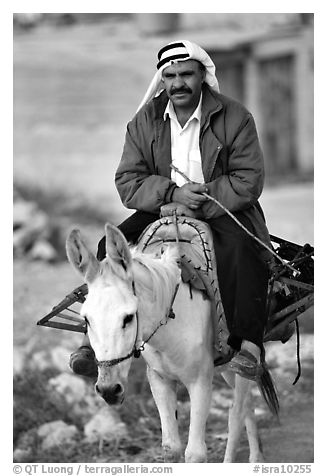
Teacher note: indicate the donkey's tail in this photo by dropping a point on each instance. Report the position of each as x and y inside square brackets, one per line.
[267, 387]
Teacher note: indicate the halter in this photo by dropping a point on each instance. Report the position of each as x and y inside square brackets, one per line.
[136, 351]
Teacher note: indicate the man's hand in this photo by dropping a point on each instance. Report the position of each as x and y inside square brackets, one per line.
[190, 195]
[178, 208]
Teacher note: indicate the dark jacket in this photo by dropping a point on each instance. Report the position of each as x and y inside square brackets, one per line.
[232, 161]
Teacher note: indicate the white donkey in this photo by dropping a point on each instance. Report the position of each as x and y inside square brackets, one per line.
[130, 296]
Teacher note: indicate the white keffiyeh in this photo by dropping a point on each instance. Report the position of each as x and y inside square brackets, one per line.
[180, 51]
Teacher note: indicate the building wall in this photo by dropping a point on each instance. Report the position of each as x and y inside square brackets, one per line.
[273, 77]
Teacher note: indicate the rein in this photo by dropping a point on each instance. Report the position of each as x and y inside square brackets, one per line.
[136, 351]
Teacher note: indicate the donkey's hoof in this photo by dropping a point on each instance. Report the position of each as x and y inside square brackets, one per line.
[170, 455]
[196, 455]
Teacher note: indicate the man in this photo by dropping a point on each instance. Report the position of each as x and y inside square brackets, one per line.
[184, 120]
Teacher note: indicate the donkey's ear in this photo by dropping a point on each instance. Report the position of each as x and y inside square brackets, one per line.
[117, 247]
[80, 257]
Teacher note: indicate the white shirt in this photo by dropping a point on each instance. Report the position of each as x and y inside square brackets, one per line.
[185, 149]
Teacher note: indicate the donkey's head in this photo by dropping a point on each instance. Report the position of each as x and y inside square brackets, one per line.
[111, 307]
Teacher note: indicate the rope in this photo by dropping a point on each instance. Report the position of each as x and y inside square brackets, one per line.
[238, 222]
[176, 227]
[297, 351]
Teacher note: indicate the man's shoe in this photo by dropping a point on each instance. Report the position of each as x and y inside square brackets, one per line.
[82, 362]
[245, 365]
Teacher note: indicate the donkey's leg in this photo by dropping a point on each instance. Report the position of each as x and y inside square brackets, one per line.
[256, 455]
[164, 394]
[237, 413]
[200, 392]
[250, 422]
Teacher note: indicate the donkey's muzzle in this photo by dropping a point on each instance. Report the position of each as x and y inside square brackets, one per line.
[112, 394]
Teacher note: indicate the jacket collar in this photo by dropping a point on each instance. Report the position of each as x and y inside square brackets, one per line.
[170, 112]
[210, 105]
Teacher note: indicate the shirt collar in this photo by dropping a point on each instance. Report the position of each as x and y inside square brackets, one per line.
[170, 111]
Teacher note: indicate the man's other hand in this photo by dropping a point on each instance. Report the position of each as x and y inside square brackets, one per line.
[190, 195]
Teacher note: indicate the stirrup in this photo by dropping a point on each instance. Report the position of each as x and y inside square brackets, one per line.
[245, 365]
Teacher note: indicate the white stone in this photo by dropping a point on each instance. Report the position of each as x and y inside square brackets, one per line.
[218, 413]
[43, 250]
[23, 212]
[221, 436]
[71, 387]
[106, 426]
[18, 360]
[78, 394]
[56, 433]
[260, 412]
[218, 399]
[284, 355]
[60, 359]
[41, 360]
[20, 455]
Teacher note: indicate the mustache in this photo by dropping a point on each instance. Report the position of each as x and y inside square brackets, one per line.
[180, 90]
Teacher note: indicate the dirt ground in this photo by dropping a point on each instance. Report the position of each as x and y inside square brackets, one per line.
[292, 442]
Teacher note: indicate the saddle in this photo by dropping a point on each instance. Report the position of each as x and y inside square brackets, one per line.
[198, 266]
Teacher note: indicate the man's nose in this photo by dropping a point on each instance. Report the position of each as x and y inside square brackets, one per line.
[178, 82]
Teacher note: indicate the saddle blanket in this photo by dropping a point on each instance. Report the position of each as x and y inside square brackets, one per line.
[198, 266]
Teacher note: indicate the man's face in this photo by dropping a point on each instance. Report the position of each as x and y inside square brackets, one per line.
[183, 83]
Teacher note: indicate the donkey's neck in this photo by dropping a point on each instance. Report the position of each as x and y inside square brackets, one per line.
[155, 285]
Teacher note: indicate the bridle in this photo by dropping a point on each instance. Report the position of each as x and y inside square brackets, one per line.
[138, 348]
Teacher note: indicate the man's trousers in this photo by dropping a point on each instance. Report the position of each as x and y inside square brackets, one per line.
[242, 273]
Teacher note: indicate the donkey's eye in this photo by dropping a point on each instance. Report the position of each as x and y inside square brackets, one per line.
[127, 320]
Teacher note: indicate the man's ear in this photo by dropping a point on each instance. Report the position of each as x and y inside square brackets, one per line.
[203, 71]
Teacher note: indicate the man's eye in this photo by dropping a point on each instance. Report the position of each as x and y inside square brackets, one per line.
[86, 320]
[127, 320]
